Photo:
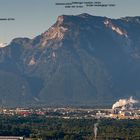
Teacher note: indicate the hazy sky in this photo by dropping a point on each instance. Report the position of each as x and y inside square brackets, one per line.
[32, 17]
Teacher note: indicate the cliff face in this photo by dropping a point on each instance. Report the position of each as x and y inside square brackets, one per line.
[80, 60]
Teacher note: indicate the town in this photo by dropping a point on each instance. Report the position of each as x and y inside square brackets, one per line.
[73, 113]
[121, 109]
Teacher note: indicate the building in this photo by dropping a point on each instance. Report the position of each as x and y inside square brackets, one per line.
[11, 138]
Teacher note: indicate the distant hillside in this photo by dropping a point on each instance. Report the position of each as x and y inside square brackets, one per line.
[80, 60]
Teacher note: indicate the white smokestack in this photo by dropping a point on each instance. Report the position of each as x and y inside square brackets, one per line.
[95, 129]
[123, 102]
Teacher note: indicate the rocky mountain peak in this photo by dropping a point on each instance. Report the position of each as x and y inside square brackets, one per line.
[85, 60]
[55, 32]
[85, 15]
[60, 19]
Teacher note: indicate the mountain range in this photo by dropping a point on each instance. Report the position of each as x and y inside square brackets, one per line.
[80, 60]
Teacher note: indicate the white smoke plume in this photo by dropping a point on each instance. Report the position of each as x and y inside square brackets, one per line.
[122, 103]
[95, 130]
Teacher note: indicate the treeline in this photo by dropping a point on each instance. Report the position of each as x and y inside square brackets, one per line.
[69, 129]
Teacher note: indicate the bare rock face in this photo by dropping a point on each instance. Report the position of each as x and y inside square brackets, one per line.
[80, 60]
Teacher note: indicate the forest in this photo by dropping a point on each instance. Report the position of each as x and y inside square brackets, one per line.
[45, 128]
